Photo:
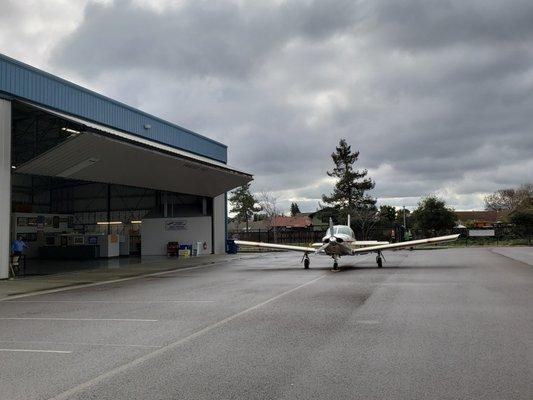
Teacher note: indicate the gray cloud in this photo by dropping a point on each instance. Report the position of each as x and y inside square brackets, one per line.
[200, 38]
[436, 95]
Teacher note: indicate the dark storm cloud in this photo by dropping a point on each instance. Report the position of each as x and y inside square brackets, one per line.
[200, 38]
[436, 95]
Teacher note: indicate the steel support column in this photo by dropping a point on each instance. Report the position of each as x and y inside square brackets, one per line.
[5, 186]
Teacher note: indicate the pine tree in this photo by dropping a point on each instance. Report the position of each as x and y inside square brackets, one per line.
[349, 192]
[295, 209]
[243, 203]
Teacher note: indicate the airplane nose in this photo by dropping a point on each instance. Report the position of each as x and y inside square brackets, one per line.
[332, 239]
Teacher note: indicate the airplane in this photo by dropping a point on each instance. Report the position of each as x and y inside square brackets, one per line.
[340, 241]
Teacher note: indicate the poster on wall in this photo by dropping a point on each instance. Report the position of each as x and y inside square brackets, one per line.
[179, 225]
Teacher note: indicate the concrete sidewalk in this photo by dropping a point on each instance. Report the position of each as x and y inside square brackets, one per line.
[24, 286]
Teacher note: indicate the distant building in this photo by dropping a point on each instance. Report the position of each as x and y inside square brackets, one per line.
[298, 222]
[253, 226]
[301, 221]
[480, 219]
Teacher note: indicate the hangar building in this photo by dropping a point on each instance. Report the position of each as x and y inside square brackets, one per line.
[83, 176]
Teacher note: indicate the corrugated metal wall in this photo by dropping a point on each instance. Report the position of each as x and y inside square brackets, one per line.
[25, 82]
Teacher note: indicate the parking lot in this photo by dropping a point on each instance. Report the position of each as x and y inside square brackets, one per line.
[432, 324]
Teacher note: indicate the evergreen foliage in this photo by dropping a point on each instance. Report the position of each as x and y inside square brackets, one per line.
[350, 189]
[295, 209]
[433, 215]
[243, 204]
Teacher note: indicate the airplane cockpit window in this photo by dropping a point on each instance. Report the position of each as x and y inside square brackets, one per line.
[344, 230]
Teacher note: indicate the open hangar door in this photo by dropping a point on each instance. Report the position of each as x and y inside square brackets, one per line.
[80, 190]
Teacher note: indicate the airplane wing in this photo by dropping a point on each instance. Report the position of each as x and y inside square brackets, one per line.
[276, 246]
[367, 243]
[402, 245]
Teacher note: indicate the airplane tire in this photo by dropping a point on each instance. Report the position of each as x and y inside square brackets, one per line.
[306, 263]
[379, 261]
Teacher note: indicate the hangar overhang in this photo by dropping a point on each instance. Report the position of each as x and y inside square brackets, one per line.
[94, 152]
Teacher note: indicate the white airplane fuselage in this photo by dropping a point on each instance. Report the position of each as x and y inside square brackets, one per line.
[338, 241]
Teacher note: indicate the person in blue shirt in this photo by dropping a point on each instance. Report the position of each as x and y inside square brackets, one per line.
[18, 246]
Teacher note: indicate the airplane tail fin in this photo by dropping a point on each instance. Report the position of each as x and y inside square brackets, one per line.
[348, 220]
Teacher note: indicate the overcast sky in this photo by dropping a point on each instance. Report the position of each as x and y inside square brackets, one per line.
[437, 95]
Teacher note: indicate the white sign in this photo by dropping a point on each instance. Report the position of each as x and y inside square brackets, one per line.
[179, 225]
[481, 232]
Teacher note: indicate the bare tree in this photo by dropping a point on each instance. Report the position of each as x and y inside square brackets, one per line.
[364, 218]
[269, 205]
[508, 199]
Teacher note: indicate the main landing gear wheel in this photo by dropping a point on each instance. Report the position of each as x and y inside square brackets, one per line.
[335, 266]
[379, 261]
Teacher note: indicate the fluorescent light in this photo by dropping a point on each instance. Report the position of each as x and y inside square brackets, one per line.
[65, 129]
[109, 223]
[13, 167]
[135, 222]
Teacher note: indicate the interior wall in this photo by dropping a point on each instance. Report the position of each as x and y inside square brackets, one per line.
[5, 186]
[157, 232]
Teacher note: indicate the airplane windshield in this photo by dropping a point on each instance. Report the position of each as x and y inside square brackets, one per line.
[343, 230]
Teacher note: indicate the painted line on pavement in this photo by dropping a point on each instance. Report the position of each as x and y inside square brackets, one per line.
[36, 351]
[171, 346]
[129, 278]
[77, 319]
[110, 301]
[142, 346]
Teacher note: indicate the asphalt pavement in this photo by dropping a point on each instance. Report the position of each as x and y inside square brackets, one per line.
[433, 324]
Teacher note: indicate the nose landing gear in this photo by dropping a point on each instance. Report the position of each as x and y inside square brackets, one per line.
[379, 260]
[335, 264]
[306, 261]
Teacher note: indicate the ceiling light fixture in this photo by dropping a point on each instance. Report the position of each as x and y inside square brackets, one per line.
[69, 130]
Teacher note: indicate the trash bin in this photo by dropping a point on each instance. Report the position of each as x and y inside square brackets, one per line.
[231, 246]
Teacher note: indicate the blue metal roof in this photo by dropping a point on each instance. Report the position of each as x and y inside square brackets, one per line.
[19, 80]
